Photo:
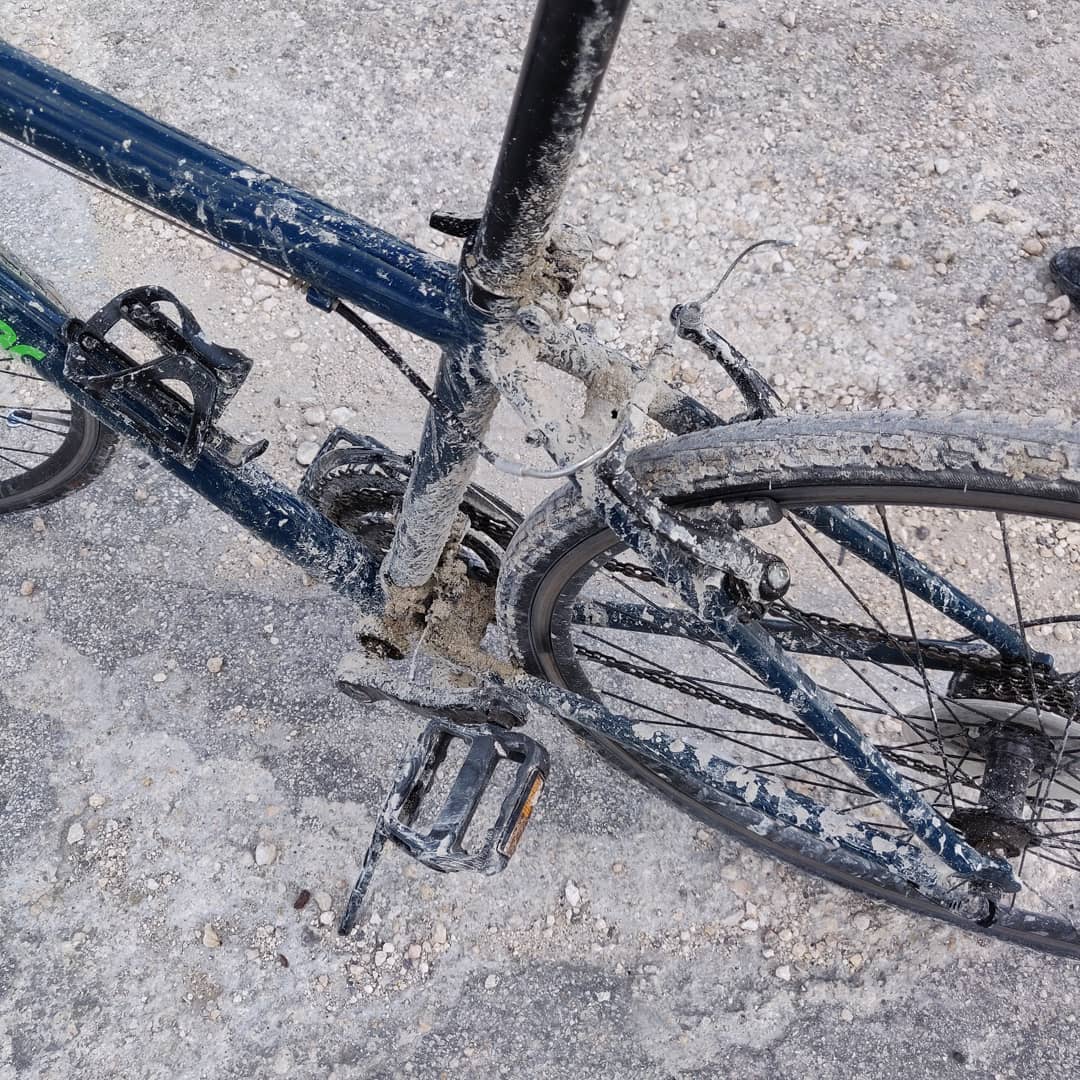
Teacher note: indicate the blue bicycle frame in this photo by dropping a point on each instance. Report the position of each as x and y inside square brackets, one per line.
[338, 257]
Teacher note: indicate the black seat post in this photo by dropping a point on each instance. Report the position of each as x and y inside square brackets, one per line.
[569, 48]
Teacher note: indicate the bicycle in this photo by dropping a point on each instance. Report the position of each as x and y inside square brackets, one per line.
[932, 765]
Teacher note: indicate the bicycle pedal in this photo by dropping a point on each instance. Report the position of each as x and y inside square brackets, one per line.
[514, 763]
[211, 374]
[344, 453]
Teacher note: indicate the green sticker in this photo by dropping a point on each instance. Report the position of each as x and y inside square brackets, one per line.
[9, 341]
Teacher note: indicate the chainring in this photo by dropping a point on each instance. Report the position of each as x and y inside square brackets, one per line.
[360, 486]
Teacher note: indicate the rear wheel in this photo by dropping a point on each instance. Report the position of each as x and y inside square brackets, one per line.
[993, 508]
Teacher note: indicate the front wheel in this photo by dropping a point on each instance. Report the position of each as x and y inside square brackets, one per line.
[991, 505]
[49, 447]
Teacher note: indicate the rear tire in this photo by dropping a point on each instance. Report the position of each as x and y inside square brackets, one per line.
[967, 461]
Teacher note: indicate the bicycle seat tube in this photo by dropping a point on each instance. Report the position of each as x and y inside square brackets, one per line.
[569, 48]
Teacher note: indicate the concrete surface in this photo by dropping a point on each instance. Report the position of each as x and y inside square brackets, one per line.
[912, 150]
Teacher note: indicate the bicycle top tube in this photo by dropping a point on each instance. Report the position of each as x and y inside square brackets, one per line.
[220, 196]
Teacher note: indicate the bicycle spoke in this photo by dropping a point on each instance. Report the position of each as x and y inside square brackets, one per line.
[704, 694]
[38, 427]
[719, 734]
[18, 464]
[21, 375]
[895, 672]
[714, 646]
[1038, 853]
[23, 450]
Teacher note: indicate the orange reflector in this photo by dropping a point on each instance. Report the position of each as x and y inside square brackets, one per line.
[527, 805]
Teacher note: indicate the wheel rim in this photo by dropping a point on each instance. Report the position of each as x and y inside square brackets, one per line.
[557, 643]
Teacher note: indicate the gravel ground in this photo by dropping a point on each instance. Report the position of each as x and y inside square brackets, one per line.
[159, 818]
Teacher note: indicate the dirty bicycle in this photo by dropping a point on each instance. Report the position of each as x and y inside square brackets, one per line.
[846, 640]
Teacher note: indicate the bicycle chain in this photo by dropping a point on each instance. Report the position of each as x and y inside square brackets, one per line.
[1001, 679]
[714, 697]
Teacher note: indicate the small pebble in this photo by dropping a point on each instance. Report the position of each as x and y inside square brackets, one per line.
[613, 232]
[324, 901]
[315, 416]
[847, 1015]
[301, 901]
[215, 664]
[226, 262]
[783, 973]
[1057, 309]
[790, 19]
[414, 952]
[38, 525]
[75, 834]
[159, 676]
[96, 801]
[306, 452]
[340, 416]
[862, 921]
[210, 937]
[265, 854]
[572, 894]
[293, 332]
[942, 165]
[326, 918]
[1033, 245]
[141, 495]
[491, 982]
[438, 935]
[27, 588]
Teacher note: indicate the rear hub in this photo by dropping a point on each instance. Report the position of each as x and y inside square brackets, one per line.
[1009, 747]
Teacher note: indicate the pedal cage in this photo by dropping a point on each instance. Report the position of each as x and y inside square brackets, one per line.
[441, 845]
[212, 374]
[359, 484]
